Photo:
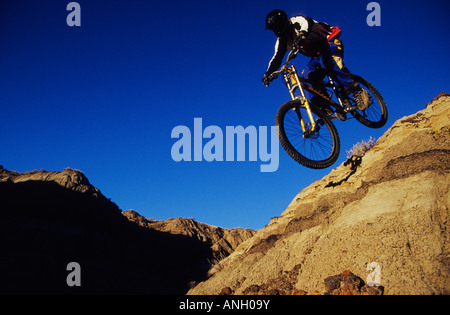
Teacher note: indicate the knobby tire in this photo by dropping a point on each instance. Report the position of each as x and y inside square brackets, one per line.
[318, 151]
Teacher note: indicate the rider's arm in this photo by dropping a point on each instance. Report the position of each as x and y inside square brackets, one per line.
[277, 59]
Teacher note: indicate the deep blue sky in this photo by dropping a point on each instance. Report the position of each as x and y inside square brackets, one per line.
[104, 97]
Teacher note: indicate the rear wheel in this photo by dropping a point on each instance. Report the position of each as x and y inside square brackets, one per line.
[376, 114]
[317, 147]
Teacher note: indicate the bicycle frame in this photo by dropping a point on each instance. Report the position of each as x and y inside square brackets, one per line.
[297, 86]
[293, 81]
[306, 131]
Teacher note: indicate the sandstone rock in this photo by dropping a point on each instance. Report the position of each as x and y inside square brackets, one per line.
[69, 178]
[347, 283]
[54, 217]
[221, 241]
[390, 208]
[49, 219]
[226, 291]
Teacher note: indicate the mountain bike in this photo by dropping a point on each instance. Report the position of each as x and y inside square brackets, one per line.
[306, 130]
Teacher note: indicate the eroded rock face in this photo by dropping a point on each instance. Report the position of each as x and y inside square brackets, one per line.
[391, 209]
[69, 178]
[50, 219]
[222, 241]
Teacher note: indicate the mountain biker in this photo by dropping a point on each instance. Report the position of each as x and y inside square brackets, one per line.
[317, 40]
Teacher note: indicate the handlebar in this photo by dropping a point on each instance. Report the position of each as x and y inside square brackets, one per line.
[292, 54]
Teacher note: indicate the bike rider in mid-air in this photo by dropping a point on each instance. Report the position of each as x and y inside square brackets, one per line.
[319, 41]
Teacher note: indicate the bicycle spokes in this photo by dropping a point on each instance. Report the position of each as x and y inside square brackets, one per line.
[308, 138]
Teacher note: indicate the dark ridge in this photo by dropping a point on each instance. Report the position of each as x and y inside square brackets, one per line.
[44, 227]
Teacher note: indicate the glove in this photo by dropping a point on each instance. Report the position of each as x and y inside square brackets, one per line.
[266, 79]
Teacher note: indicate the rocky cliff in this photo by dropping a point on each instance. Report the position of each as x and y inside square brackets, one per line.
[221, 241]
[70, 179]
[384, 215]
[50, 219]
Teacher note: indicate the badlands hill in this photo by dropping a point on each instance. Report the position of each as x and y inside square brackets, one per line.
[384, 213]
[388, 210]
[221, 241]
[50, 219]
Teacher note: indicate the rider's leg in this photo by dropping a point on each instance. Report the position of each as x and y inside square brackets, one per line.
[325, 50]
[342, 77]
[315, 73]
[335, 66]
[350, 87]
[341, 71]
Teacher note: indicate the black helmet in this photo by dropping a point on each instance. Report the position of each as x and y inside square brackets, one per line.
[277, 21]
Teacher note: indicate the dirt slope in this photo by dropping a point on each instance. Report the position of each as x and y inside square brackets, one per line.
[391, 209]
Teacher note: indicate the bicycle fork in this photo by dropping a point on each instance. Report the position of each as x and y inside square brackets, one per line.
[292, 82]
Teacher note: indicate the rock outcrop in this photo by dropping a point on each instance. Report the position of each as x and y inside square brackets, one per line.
[50, 219]
[69, 178]
[391, 210]
[221, 241]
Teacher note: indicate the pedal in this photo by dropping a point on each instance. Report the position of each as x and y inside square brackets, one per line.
[341, 115]
[328, 111]
[350, 108]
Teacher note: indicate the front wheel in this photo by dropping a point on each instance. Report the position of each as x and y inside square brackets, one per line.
[376, 114]
[314, 147]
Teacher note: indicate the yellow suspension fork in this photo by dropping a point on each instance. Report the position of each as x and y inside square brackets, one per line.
[295, 81]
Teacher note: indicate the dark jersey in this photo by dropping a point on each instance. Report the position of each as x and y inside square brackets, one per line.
[299, 24]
